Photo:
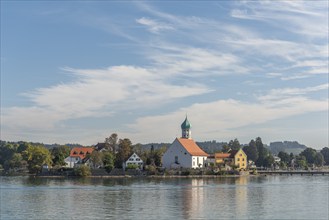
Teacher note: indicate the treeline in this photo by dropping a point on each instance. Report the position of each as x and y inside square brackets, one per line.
[30, 157]
[263, 157]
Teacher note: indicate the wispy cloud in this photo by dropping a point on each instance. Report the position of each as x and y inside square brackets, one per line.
[154, 26]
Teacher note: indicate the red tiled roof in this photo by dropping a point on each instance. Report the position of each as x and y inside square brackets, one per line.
[192, 147]
[81, 152]
[222, 155]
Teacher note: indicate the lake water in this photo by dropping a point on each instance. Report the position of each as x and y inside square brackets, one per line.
[261, 197]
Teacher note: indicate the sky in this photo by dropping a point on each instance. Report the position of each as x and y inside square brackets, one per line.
[78, 71]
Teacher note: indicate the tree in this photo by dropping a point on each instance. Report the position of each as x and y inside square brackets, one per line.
[301, 162]
[15, 162]
[309, 154]
[325, 153]
[82, 170]
[111, 142]
[36, 156]
[226, 148]
[284, 157]
[269, 161]
[96, 159]
[124, 152]
[59, 154]
[251, 151]
[108, 160]
[319, 159]
[7, 151]
[234, 144]
[262, 152]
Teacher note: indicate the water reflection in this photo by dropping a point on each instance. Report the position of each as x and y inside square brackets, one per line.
[185, 198]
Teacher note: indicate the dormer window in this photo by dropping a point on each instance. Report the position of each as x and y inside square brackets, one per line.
[75, 152]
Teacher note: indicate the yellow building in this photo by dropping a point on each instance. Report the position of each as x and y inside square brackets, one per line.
[237, 158]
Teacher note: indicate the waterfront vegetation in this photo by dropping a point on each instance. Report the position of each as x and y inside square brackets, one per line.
[26, 157]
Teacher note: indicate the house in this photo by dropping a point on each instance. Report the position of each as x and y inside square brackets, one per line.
[184, 152]
[134, 159]
[236, 158]
[77, 155]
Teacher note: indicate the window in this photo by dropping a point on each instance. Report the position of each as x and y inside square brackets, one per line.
[240, 155]
[137, 159]
[242, 159]
[238, 159]
[176, 159]
[243, 164]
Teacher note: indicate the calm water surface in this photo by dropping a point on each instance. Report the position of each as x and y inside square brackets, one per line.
[262, 197]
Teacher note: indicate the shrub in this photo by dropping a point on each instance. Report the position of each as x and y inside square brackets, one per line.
[131, 167]
[82, 170]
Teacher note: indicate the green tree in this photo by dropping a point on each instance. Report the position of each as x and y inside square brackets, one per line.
[108, 160]
[7, 150]
[15, 162]
[96, 159]
[36, 156]
[325, 153]
[234, 144]
[111, 142]
[226, 148]
[262, 152]
[269, 161]
[309, 154]
[284, 157]
[251, 151]
[301, 162]
[82, 170]
[319, 159]
[59, 154]
[124, 152]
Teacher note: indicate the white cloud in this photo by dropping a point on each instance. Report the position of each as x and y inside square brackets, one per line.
[154, 26]
[220, 120]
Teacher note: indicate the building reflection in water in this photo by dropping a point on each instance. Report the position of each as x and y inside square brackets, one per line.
[241, 196]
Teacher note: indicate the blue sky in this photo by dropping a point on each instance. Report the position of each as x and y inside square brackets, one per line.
[77, 71]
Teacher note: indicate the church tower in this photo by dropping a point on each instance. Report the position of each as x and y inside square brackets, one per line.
[186, 129]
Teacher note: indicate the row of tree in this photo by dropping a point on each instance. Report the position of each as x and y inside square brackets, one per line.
[21, 156]
[258, 153]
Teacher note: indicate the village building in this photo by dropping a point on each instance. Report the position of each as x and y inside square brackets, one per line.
[77, 156]
[184, 152]
[237, 158]
[134, 159]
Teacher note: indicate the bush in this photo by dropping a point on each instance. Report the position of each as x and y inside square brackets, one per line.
[131, 167]
[151, 170]
[82, 170]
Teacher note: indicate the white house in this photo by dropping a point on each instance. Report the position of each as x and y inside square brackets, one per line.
[134, 159]
[184, 152]
[77, 155]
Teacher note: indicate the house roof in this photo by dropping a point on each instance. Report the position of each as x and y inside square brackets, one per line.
[230, 154]
[100, 146]
[81, 152]
[222, 155]
[191, 147]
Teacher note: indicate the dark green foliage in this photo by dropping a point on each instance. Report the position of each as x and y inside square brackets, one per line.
[319, 159]
[251, 151]
[234, 144]
[284, 157]
[309, 154]
[262, 152]
[124, 152]
[59, 153]
[268, 161]
[325, 153]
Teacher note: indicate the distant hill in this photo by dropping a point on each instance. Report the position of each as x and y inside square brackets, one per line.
[286, 146]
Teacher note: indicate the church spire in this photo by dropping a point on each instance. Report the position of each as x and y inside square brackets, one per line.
[186, 129]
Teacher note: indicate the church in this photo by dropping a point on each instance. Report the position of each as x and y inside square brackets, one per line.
[184, 152]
